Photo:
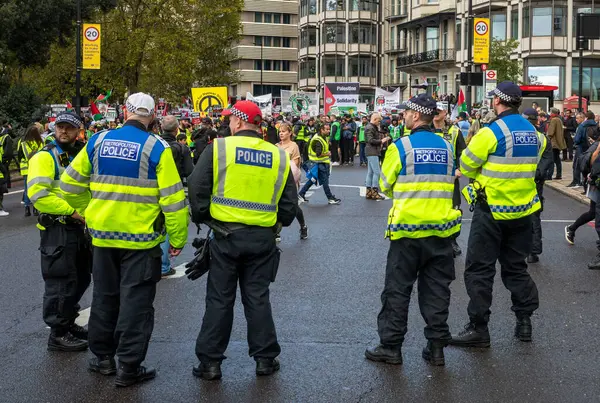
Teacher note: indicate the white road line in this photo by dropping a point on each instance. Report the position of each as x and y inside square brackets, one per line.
[82, 319]
[15, 192]
[180, 272]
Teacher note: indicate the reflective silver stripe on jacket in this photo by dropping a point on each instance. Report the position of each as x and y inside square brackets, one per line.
[222, 165]
[283, 157]
[174, 207]
[246, 205]
[68, 188]
[423, 194]
[39, 195]
[473, 157]
[171, 190]
[508, 175]
[56, 155]
[508, 138]
[145, 157]
[77, 176]
[125, 181]
[41, 179]
[124, 197]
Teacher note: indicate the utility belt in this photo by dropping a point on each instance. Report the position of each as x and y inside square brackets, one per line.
[48, 220]
[474, 194]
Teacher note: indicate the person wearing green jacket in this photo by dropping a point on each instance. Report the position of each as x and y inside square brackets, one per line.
[336, 135]
[362, 143]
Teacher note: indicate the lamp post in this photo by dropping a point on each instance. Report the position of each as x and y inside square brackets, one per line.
[78, 61]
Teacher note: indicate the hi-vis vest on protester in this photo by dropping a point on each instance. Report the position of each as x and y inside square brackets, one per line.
[395, 132]
[248, 181]
[2, 140]
[29, 148]
[418, 171]
[312, 156]
[126, 184]
[503, 158]
[301, 136]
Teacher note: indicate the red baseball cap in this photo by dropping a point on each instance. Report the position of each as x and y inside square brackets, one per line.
[246, 110]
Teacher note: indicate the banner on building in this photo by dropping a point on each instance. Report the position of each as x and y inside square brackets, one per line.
[300, 103]
[264, 102]
[209, 99]
[341, 98]
[385, 101]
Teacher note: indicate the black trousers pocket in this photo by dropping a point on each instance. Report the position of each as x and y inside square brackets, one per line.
[275, 260]
[152, 270]
[52, 250]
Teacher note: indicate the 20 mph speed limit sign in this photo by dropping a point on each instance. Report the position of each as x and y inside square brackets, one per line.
[91, 46]
[481, 40]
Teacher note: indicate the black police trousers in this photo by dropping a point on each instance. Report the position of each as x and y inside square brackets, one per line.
[66, 261]
[536, 223]
[431, 261]
[122, 315]
[506, 241]
[250, 256]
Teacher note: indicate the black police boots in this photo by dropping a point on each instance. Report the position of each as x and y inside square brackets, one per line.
[472, 336]
[65, 342]
[266, 366]
[128, 375]
[78, 331]
[211, 371]
[104, 365]
[434, 353]
[523, 328]
[27, 211]
[381, 353]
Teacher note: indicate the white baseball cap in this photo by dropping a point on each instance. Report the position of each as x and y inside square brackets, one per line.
[140, 104]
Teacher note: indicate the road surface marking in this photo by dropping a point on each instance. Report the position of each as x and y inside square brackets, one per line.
[82, 319]
[180, 272]
[15, 192]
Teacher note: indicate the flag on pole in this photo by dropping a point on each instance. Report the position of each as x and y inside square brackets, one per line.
[95, 112]
[103, 97]
[437, 89]
[69, 106]
[461, 106]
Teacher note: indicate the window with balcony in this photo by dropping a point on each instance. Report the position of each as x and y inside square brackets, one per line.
[458, 35]
[308, 37]
[363, 5]
[445, 35]
[432, 36]
[417, 40]
[308, 69]
[392, 38]
[333, 5]
[362, 66]
[365, 33]
[334, 66]
[499, 26]
[333, 33]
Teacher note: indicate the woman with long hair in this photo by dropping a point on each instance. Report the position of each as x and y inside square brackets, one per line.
[286, 143]
[30, 144]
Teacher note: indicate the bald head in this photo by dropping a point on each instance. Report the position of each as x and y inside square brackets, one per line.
[169, 124]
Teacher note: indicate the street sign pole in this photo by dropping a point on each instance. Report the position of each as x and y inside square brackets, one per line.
[469, 52]
[78, 61]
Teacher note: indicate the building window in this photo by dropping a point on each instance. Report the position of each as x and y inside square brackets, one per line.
[547, 75]
[257, 64]
[362, 66]
[363, 34]
[277, 65]
[287, 19]
[444, 86]
[258, 17]
[312, 6]
[268, 18]
[499, 26]
[514, 22]
[525, 21]
[286, 42]
[268, 41]
[276, 41]
[267, 65]
[591, 82]
[458, 35]
[393, 38]
[559, 24]
[258, 41]
[542, 21]
[334, 66]
[445, 35]
[334, 33]
[303, 8]
[363, 5]
[308, 69]
[277, 18]
[432, 38]
[417, 40]
[333, 5]
[285, 65]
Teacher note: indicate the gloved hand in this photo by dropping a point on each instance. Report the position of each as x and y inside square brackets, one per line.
[200, 264]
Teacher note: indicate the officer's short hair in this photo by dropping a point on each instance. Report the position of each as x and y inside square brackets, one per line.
[169, 124]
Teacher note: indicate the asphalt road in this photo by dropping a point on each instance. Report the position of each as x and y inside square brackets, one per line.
[325, 303]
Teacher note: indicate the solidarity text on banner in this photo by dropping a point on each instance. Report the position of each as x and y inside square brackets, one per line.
[209, 99]
[264, 102]
[300, 103]
[385, 101]
[341, 98]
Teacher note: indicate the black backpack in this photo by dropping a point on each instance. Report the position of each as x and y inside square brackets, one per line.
[178, 155]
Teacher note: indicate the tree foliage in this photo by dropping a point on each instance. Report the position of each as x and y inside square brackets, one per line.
[508, 69]
[20, 105]
[163, 47]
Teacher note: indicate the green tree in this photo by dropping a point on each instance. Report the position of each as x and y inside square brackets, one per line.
[157, 46]
[21, 106]
[508, 69]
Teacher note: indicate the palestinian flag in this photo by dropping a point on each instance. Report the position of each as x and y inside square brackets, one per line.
[95, 112]
[104, 97]
[437, 89]
[69, 106]
[461, 106]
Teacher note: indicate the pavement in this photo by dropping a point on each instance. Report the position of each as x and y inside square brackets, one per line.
[561, 185]
[325, 303]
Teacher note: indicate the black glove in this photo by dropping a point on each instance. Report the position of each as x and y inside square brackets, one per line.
[200, 264]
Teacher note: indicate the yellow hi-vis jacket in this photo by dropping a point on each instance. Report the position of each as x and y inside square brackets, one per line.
[418, 173]
[503, 158]
[248, 181]
[123, 181]
[28, 149]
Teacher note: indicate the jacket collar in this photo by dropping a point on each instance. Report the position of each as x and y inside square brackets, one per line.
[136, 124]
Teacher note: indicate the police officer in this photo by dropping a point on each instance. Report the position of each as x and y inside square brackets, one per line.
[453, 135]
[65, 251]
[418, 172]
[502, 159]
[126, 184]
[244, 184]
[545, 163]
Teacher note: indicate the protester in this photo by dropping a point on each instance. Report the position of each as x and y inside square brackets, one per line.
[556, 136]
[374, 141]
